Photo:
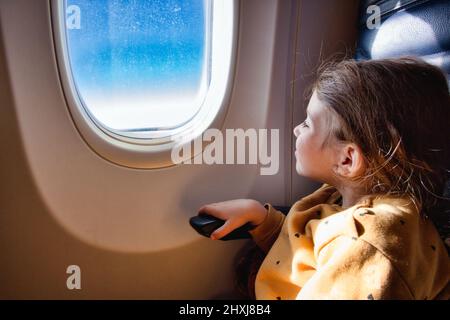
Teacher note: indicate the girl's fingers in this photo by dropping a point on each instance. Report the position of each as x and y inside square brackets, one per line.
[210, 210]
[227, 227]
[204, 210]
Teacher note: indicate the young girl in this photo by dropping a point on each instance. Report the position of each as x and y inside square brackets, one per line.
[377, 136]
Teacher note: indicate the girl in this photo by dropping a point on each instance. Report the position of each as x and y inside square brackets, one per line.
[377, 136]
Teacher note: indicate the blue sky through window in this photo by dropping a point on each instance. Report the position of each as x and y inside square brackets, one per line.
[137, 63]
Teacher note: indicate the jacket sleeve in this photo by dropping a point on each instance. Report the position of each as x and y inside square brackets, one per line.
[267, 232]
[351, 268]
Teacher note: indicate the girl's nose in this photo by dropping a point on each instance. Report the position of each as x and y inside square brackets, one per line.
[296, 131]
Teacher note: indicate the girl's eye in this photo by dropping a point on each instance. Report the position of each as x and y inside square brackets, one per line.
[304, 124]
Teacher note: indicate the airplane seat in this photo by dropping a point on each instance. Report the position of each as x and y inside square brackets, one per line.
[409, 27]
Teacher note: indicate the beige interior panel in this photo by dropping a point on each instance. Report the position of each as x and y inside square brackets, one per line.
[61, 204]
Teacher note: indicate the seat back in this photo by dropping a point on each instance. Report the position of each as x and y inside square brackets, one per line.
[407, 27]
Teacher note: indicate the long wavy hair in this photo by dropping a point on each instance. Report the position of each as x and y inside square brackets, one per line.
[398, 112]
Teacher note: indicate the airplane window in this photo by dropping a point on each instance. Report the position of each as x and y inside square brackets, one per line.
[144, 66]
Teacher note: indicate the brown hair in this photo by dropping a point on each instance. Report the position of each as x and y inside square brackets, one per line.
[398, 112]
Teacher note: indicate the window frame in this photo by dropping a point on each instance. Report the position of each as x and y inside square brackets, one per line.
[151, 149]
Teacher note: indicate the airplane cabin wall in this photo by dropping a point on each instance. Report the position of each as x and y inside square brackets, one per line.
[61, 204]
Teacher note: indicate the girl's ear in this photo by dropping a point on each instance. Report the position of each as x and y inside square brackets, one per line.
[351, 161]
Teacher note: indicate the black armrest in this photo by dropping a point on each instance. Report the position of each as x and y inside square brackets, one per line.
[206, 224]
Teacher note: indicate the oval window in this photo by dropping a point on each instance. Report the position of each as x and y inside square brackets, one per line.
[147, 69]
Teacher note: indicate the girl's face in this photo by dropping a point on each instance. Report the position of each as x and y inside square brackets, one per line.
[312, 161]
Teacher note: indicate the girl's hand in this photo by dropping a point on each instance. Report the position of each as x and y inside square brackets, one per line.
[235, 213]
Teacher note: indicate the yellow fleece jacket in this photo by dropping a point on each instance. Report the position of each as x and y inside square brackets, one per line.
[379, 248]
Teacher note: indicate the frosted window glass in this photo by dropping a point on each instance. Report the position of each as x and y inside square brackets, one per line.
[139, 65]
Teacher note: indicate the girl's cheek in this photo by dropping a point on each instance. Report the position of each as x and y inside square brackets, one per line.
[302, 156]
[302, 142]
[305, 148]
